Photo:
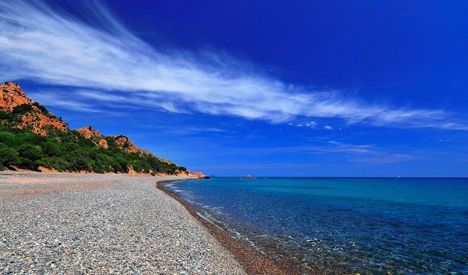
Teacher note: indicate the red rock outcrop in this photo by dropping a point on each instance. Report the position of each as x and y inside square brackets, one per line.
[126, 144]
[89, 132]
[38, 123]
[103, 143]
[122, 141]
[11, 95]
[37, 118]
[198, 175]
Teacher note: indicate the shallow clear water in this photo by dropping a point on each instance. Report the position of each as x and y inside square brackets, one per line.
[357, 224]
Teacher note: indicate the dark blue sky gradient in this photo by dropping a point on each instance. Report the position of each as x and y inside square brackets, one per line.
[409, 54]
[384, 50]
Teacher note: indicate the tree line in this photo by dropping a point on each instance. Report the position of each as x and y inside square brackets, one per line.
[69, 151]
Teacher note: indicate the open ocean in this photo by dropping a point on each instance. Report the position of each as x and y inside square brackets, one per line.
[400, 225]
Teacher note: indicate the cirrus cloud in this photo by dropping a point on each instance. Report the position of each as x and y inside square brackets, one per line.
[51, 46]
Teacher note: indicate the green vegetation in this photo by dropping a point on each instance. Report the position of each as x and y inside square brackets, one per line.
[22, 109]
[68, 151]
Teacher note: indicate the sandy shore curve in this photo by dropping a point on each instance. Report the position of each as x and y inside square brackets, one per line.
[68, 223]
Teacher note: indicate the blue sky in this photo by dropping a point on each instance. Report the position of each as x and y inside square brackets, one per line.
[314, 88]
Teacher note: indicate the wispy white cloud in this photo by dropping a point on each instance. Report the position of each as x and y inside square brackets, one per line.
[321, 148]
[309, 124]
[53, 47]
[140, 99]
[362, 154]
[382, 159]
[58, 101]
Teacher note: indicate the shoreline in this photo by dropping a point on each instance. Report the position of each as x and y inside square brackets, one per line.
[29, 185]
[104, 224]
[251, 259]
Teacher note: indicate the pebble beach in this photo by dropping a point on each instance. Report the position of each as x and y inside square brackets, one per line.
[88, 223]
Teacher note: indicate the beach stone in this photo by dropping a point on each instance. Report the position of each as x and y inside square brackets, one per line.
[75, 224]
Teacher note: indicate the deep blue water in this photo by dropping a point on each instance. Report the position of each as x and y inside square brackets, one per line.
[356, 224]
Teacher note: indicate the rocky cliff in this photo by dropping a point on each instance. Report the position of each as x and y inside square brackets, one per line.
[11, 95]
[30, 115]
[84, 149]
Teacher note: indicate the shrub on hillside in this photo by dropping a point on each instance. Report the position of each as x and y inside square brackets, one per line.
[70, 151]
[8, 156]
[22, 109]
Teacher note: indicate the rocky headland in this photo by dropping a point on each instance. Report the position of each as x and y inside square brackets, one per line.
[57, 148]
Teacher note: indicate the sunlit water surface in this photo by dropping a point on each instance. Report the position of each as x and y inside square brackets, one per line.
[357, 224]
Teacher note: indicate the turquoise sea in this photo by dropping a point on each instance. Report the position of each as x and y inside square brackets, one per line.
[367, 225]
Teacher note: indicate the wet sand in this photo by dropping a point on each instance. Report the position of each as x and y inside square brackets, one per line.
[253, 260]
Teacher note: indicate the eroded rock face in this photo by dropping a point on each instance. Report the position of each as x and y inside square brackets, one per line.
[23, 113]
[37, 118]
[38, 123]
[126, 144]
[103, 143]
[11, 95]
[92, 134]
[121, 141]
[198, 175]
[89, 132]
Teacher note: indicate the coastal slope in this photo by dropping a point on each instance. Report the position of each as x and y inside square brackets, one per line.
[33, 138]
[101, 224]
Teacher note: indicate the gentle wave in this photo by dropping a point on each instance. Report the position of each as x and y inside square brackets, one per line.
[361, 225]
